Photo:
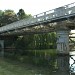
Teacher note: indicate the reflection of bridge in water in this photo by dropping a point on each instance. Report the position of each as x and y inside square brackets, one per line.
[61, 20]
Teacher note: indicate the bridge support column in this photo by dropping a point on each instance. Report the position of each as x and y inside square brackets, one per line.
[2, 48]
[62, 41]
[63, 52]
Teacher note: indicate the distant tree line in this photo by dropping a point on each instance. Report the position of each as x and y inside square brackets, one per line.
[9, 16]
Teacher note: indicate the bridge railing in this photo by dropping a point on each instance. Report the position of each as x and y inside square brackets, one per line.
[58, 13]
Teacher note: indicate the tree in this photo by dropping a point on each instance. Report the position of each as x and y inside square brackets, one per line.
[53, 39]
[21, 14]
[1, 12]
[7, 17]
[23, 43]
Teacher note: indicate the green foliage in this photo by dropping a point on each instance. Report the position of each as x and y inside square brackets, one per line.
[9, 12]
[21, 14]
[36, 41]
[23, 43]
[1, 13]
[45, 41]
[7, 17]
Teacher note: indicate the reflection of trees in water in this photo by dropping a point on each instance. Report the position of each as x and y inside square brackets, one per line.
[49, 63]
[57, 64]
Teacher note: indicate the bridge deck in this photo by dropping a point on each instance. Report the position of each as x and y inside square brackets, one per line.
[60, 13]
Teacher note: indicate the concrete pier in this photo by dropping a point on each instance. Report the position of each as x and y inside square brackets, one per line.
[2, 48]
[62, 52]
[63, 41]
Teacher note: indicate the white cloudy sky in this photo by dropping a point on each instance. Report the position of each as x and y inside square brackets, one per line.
[32, 6]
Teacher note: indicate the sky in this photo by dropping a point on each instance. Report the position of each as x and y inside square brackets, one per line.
[33, 7]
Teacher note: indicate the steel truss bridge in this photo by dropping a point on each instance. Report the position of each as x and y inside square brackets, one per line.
[61, 20]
